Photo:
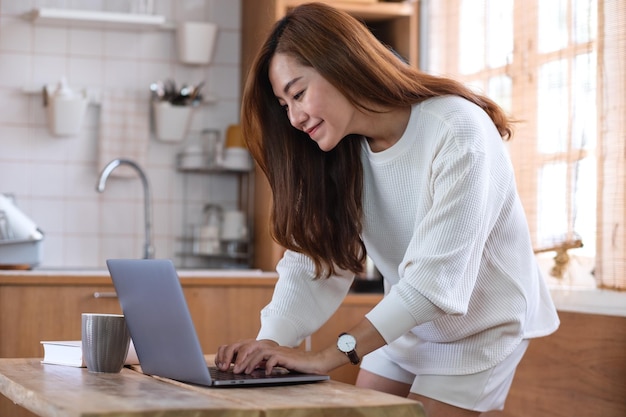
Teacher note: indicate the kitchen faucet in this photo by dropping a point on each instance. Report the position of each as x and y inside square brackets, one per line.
[148, 252]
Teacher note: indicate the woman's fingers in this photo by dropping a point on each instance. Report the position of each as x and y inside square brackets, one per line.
[227, 354]
[246, 355]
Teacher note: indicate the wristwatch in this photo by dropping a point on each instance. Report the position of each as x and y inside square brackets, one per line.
[346, 343]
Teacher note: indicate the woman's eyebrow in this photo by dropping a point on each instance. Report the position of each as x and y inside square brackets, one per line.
[290, 83]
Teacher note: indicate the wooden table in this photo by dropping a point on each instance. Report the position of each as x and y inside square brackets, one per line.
[55, 391]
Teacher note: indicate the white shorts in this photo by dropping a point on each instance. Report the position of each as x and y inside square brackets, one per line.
[482, 391]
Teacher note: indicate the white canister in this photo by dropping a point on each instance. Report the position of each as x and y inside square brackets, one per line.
[66, 109]
[196, 41]
[234, 225]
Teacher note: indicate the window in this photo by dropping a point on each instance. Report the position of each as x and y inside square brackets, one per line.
[558, 67]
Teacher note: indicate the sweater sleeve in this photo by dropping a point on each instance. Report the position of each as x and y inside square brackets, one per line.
[301, 304]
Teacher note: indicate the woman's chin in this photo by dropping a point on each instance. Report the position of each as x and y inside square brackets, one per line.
[325, 145]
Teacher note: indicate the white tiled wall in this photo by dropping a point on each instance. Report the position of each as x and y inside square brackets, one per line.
[53, 179]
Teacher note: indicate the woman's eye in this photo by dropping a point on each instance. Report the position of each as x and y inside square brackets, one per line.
[297, 96]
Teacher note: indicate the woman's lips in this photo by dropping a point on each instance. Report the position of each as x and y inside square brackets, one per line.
[314, 129]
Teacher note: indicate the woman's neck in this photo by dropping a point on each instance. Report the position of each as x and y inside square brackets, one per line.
[384, 129]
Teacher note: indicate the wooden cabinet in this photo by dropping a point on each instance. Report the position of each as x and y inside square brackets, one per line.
[38, 309]
[394, 23]
[31, 311]
[224, 309]
[49, 308]
[228, 312]
[35, 308]
[580, 370]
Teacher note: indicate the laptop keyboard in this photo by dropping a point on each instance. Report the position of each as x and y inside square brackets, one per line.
[229, 375]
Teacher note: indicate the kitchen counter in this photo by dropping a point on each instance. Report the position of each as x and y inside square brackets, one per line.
[583, 300]
[590, 301]
[249, 278]
[103, 273]
[101, 276]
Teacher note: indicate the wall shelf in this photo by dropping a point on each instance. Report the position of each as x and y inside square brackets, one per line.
[97, 19]
[230, 255]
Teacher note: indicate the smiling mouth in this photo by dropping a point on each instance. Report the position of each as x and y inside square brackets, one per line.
[313, 129]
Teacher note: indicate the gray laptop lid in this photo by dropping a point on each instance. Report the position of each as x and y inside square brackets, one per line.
[161, 327]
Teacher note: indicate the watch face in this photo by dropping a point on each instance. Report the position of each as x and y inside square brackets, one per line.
[346, 343]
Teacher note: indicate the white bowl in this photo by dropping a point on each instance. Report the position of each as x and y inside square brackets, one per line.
[237, 158]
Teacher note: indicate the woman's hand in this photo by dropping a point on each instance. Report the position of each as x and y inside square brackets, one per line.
[248, 355]
[241, 353]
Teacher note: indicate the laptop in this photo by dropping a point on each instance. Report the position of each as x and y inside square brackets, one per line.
[163, 332]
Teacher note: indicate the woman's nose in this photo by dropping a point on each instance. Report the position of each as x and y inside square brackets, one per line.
[297, 117]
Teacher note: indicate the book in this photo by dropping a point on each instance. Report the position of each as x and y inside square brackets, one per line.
[70, 353]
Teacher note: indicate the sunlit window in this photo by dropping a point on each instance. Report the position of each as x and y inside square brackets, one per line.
[538, 60]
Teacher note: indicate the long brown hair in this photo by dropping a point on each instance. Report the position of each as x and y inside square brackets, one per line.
[317, 196]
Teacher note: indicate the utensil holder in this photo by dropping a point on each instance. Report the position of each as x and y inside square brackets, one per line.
[65, 115]
[171, 123]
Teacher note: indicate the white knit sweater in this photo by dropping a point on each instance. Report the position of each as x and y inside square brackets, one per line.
[445, 226]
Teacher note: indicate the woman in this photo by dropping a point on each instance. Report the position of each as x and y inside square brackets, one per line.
[367, 155]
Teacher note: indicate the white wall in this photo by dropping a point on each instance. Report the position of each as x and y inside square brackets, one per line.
[53, 179]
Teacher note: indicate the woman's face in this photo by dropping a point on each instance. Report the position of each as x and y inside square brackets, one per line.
[312, 104]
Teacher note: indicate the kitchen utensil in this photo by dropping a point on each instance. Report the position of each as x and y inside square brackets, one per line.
[181, 97]
[169, 88]
[158, 90]
[195, 96]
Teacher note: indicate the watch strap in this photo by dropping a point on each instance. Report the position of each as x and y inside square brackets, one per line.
[352, 355]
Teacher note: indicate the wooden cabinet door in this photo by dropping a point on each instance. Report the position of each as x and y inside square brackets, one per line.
[224, 315]
[34, 313]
